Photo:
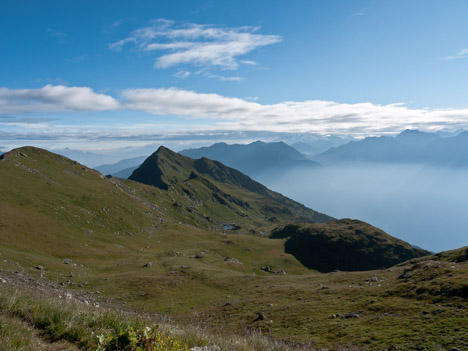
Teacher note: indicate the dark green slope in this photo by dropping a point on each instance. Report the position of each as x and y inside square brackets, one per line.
[222, 185]
[347, 245]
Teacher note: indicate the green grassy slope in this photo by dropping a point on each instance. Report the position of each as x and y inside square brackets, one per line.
[145, 249]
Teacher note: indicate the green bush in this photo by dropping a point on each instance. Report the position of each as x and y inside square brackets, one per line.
[147, 339]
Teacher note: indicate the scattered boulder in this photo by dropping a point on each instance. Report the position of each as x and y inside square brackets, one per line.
[266, 269]
[405, 274]
[347, 315]
[149, 264]
[463, 257]
[269, 269]
[39, 267]
[351, 315]
[232, 260]
[205, 348]
[260, 317]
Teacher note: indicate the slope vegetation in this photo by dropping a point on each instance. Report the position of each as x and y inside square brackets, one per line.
[124, 245]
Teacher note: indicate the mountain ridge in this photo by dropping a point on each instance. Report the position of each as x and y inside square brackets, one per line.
[410, 146]
[165, 168]
[256, 159]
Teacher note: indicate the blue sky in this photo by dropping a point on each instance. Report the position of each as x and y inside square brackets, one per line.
[96, 74]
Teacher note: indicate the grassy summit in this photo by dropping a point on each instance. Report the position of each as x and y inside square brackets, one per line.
[211, 184]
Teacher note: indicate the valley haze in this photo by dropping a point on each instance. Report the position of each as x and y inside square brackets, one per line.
[413, 185]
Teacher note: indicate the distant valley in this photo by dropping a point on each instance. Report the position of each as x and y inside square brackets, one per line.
[412, 184]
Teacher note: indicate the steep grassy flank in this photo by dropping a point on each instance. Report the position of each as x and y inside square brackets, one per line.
[52, 204]
[347, 245]
[166, 169]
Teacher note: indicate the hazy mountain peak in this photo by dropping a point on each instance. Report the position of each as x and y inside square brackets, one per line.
[416, 138]
[257, 159]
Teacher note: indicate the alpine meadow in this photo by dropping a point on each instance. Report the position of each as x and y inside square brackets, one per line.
[233, 176]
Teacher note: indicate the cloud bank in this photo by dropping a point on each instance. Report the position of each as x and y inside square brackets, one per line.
[52, 99]
[314, 116]
[216, 112]
[196, 44]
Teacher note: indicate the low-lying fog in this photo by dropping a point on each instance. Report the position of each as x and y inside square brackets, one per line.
[425, 206]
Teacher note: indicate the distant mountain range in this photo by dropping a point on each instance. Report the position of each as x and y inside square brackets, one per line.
[264, 161]
[123, 168]
[255, 159]
[410, 146]
[258, 159]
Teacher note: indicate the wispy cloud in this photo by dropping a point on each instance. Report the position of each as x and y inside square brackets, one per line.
[182, 74]
[361, 12]
[58, 35]
[460, 55]
[224, 78]
[197, 44]
[24, 120]
[54, 98]
[108, 28]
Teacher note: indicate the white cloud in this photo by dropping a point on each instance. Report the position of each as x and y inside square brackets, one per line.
[184, 103]
[54, 98]
[197, 44]
[223, 78]
[314, 116]
[460, 55]
[182, 74]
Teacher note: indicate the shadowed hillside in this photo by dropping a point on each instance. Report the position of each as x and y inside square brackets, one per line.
[347, 245]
